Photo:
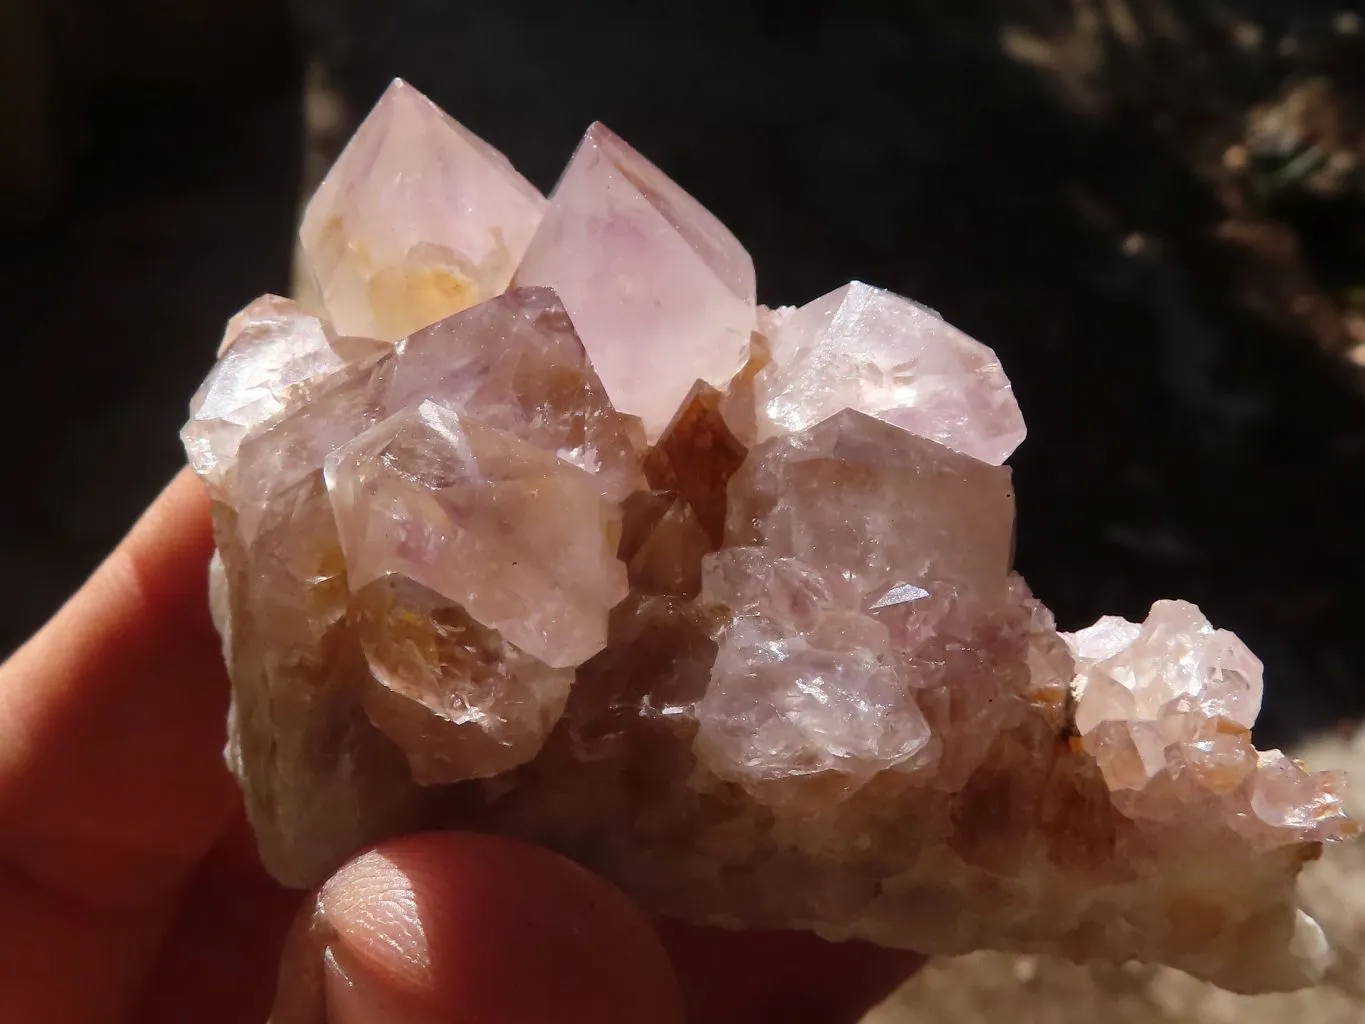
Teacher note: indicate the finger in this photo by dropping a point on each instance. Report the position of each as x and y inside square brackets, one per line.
[453, 926]
[220, 956]
[112, 717]
[745, 977]
[111, 782]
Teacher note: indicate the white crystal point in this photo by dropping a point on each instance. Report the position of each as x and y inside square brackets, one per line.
[1165, 707]
[1134, 672]
[868, 349]
[519, 539]
[660, 291]
[272, 353]
[1108, 636]
[1310, 950]
[417, 219]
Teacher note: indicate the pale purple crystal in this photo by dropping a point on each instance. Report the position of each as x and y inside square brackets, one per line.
[648, 275]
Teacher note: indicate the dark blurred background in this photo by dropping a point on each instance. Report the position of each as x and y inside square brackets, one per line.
[1154, 210]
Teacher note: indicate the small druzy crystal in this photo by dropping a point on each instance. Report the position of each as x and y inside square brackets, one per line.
[714, 598]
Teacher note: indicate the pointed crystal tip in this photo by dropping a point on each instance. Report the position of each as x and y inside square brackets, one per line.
[417, 219]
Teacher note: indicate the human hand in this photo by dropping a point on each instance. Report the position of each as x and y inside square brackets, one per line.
[131, 890]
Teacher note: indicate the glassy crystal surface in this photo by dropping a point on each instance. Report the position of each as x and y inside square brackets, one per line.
[418, 218]
[519, 539]
[716, 599]
[868, 349]
[273, 355]
[648, 275]
[461, 701]
[516, 363]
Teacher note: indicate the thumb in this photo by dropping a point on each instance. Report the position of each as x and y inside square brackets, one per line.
[448, 926]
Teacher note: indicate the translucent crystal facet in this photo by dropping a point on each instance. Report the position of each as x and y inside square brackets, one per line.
[716, 599]
[519, 539]
[856, 497]
[419, 218]
[782, 702]
[516, 363]
[282, 456]
[1166, 707]
[868, 349]
[272, 353]
[461, 701]
[1135, 672]
[661, 292]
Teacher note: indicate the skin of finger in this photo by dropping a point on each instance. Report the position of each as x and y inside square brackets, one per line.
[456, 926]
[112, 717]
[220, 956]
[299, 996]
[741, 977]
[111, 781]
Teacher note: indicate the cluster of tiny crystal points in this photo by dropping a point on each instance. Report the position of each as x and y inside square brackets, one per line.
[540, 524]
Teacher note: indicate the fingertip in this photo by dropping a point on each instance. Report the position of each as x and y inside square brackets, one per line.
[166, 553]
[148, 598]
[459, 926]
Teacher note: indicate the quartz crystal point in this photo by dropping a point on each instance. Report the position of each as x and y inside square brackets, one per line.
[516, 363]
[519, 539]
[861, 528]
[648, 275]
[463, 702]
[418, 219]
[867, 349]
[761, 661]
[272, 353]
